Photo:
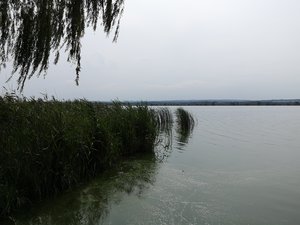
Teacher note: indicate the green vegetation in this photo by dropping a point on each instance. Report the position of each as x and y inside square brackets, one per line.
[185, 125]
[49, 146]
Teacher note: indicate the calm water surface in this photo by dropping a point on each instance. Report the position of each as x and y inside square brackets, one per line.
[241, 166]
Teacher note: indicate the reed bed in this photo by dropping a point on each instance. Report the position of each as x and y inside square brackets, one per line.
[47, 146]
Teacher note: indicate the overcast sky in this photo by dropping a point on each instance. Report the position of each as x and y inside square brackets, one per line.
[191, 49]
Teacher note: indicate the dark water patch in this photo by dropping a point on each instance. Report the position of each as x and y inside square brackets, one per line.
[91, 204]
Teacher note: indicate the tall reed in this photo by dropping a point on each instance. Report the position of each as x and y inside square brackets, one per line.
[185, 125]
[47, 146]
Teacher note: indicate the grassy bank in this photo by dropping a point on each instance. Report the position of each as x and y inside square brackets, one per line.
[48, 146]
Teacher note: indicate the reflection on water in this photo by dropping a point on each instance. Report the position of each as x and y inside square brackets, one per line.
[183, 137]
[185, 127]
[91, 204]
[31, 29]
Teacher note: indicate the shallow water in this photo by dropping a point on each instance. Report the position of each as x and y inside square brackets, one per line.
[240, 166]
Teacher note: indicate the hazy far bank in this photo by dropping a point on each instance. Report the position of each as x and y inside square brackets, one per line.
[275, 102]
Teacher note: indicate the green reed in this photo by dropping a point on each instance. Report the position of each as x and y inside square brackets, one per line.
[47, 146]
[185, 124]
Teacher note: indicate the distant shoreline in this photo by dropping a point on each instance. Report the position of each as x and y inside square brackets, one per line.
[284, 102]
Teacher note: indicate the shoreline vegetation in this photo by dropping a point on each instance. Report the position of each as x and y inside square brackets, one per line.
[49, 146]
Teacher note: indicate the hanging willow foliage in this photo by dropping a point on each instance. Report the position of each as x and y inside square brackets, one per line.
[30, 30]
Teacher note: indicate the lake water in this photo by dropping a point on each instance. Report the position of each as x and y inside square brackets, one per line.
[240, 166]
